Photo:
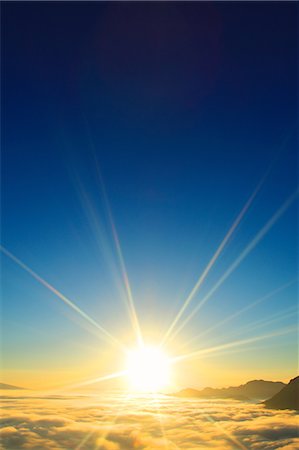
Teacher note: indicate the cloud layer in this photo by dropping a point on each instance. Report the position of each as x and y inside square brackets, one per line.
[120, 422]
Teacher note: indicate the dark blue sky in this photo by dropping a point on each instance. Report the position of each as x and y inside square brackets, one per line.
[185, 106]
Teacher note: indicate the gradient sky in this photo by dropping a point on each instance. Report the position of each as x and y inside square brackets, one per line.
[185, 107]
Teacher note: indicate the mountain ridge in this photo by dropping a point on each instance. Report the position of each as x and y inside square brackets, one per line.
[252, 390]
[287, 398]
[10, 386]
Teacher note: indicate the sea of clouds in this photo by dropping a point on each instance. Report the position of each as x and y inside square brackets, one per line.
[119, 421]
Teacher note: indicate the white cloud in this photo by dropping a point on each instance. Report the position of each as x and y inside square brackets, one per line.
[115, 423]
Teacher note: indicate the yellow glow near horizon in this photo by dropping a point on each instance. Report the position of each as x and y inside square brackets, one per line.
[148, 369]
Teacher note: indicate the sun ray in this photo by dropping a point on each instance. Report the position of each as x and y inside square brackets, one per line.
[62, 297]
[233, 344]
[124, 273]
[235, 350]
[123, 282]
[230, 436]
[248, 249]
[286, 314]
[158, 413]
[84, 440]
[264, 323]
[99, 234]
[111, 376]
[129, 296]
[126, 293]
[113, 422]
[282, 315]
[105, 434]
[240, 311]
[213, 260]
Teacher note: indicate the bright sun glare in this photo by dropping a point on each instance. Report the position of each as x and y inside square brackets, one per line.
[147, 369]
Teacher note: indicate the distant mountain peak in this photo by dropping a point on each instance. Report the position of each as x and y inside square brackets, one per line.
[251, 382]
[254, 389]
[9, 386]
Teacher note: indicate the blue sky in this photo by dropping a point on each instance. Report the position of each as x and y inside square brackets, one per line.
[185, 107]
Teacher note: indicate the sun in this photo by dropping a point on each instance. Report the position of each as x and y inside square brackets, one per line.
[148, 369]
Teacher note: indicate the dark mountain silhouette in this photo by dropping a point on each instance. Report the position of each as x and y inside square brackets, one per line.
[9, 386]
[287, 398]
[256, 389]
